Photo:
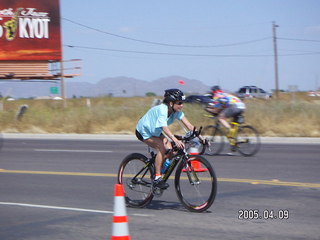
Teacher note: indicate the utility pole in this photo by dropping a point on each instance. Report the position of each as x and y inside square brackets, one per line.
[63, 91]
[274, 26]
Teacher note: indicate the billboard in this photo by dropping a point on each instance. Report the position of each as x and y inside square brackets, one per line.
[30, 30]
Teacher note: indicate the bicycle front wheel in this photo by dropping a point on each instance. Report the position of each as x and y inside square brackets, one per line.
[196, 184]
[248, 141]
[215, 138]
[135, 174]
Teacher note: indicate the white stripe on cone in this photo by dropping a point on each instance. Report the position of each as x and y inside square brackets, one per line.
[119, 208]
[120, 229]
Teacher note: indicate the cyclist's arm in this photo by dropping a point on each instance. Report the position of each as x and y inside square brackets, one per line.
[212, 109]
[169, 134]
[188, 125]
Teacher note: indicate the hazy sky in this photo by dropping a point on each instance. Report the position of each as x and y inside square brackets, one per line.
[225, 42]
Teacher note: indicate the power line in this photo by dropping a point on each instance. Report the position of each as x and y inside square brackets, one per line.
[161, 53]
[186, 54]
[301, 40]
[166, 44]
[299, 51]
[300, 54]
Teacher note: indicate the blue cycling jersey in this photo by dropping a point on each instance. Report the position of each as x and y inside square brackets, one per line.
[157, 117]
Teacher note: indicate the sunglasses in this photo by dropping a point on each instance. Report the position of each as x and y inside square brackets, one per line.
[179, 103]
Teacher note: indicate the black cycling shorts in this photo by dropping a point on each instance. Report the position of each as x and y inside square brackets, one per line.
[139, 136]
[232, 111]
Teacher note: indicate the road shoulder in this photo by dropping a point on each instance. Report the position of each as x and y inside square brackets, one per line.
[128, 137]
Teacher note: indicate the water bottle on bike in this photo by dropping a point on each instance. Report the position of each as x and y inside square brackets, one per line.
[165, 166]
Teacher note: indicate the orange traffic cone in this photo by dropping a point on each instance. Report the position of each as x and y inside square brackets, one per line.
[195, 164]
[193, 151]
[120, 229]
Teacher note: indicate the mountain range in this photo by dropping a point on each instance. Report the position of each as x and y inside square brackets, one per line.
[115, 86]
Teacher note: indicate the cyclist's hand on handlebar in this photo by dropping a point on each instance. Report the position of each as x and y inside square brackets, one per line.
[178, 143]
[203, 140]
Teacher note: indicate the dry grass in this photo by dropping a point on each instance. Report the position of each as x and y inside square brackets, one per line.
[106, 115]
[297, 116]
[285, 118]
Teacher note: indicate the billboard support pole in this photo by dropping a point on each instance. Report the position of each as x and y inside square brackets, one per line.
[63, 95]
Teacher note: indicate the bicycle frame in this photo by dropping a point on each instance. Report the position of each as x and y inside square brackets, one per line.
[180, 157]
[234, 125]
[134, 179]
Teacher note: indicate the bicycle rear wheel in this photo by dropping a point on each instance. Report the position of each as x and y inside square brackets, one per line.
[248, 141]
[215, 138]
[196, 184]
[136, 177]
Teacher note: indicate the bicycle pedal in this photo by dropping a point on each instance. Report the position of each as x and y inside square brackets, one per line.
[157, 192]
[233, 148]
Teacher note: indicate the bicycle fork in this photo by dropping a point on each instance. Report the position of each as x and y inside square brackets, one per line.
[191, 173]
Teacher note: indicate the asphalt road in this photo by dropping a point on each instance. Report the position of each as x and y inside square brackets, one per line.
[63, 189]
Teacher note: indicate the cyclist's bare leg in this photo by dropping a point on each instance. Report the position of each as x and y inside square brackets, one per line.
[160, 144]
[231, 132]
[224, 121]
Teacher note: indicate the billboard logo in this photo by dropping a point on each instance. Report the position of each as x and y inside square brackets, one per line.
[11, 26]
[32, 24]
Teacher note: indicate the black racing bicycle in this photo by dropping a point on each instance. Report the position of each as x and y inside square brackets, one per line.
[195, 180]
[246, 139]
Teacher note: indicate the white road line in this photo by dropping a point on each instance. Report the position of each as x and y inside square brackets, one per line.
[66, 208]
[72, 150]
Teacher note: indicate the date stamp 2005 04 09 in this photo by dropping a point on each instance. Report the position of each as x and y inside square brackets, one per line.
[255, 214]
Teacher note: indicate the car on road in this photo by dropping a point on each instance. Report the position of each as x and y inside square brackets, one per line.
[202, 99]
[253, 92]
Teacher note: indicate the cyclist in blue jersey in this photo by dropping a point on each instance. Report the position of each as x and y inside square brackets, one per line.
[225, 105]
[153, 126]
